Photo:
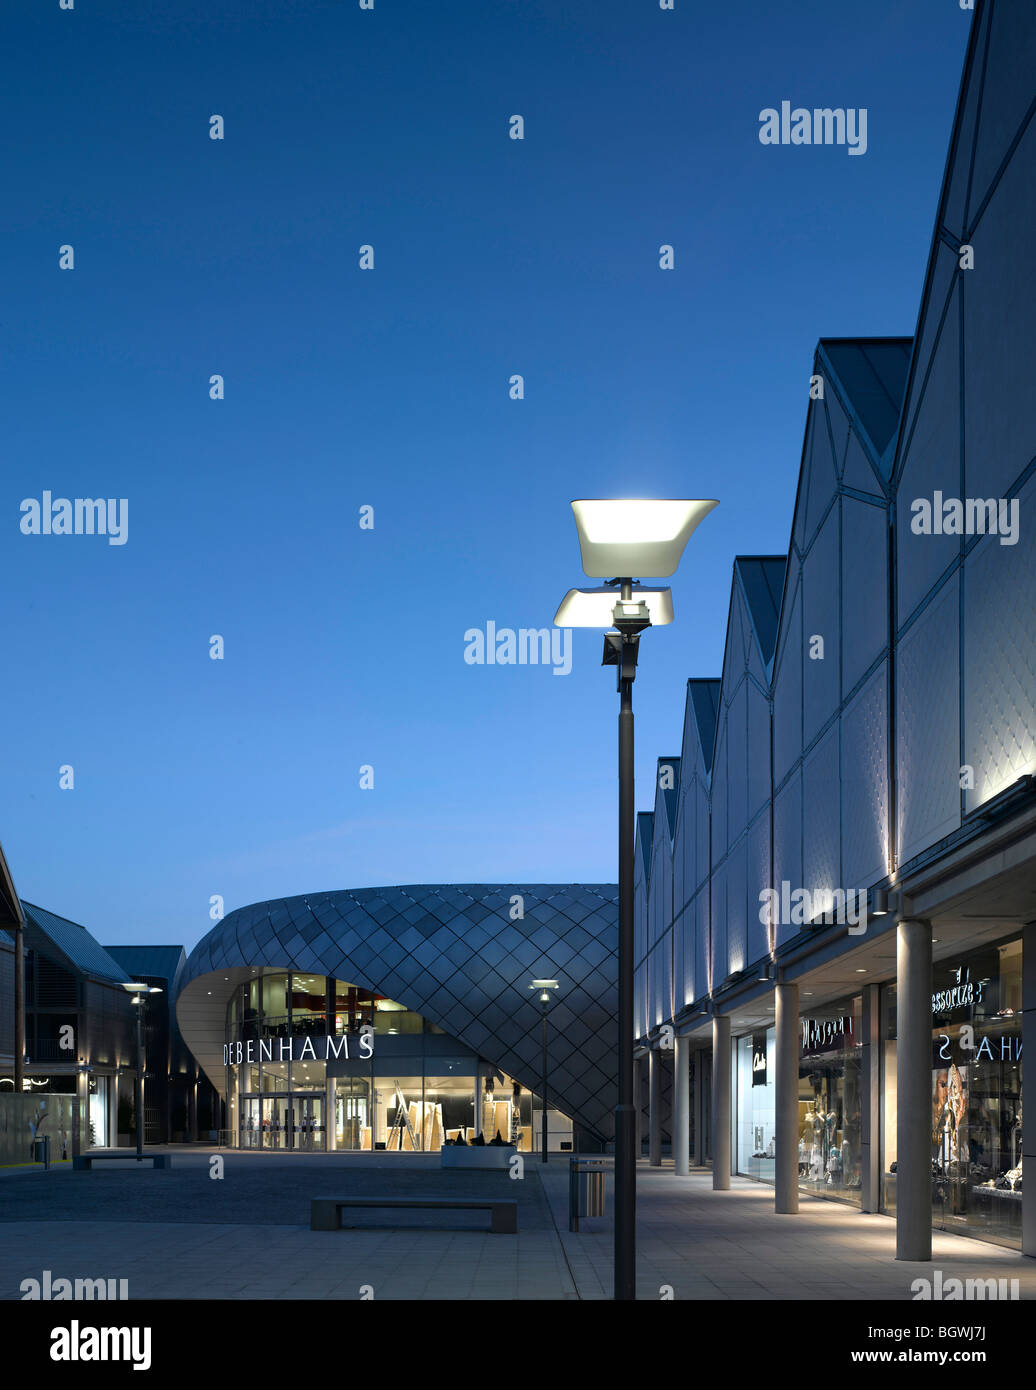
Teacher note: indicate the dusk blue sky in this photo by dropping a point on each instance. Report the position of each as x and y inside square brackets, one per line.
[389, 387]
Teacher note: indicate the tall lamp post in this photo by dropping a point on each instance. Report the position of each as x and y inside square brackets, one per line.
[544, 986]
[139, 991]
[624, 538]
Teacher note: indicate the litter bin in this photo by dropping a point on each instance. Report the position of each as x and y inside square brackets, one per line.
[585, 1189]
[41, 1151]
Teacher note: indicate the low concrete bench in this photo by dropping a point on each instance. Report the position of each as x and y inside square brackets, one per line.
[325, 1213]
[82, 1163]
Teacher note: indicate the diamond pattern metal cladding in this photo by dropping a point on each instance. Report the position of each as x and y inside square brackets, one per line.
[446, 950]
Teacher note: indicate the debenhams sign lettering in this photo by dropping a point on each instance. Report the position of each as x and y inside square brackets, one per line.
[323, 1049]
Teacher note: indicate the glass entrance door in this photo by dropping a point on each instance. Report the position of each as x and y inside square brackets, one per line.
[307, 1123]
[275, 1122]
[352, 1113]
[251, 1122]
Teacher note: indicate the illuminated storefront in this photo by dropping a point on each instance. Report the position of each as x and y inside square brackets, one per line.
[830, 1102]
[976, 1093]
[755, 1112]
[381, 1078]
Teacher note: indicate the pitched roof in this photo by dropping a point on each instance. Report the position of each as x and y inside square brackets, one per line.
[670, 795]
[871, 374]
[646, 830]
[74, 942]
[704, 697]
[762, 583]
[10, 909]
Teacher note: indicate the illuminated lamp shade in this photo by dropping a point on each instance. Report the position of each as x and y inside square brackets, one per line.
[596, 607]
[629, 537]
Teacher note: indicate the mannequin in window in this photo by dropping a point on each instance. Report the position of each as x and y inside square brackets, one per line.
[949, 1117]
[834, 1168]
[816, 1157]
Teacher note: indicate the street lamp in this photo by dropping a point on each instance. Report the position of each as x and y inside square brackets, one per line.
[138, 991]
[544, 986]
[624, 538]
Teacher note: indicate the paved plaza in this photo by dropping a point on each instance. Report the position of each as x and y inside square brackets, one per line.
[182, 1234]
[731, 1245]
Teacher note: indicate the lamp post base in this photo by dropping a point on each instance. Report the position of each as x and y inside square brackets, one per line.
[625, 1202]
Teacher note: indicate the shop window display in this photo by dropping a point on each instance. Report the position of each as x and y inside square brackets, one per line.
[756, 1133]
[402, 1118]
[976, 1096]
[830, 1115]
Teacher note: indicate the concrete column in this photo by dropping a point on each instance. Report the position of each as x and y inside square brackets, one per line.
[1029, 1040]
[786, 1100]
[638, 1118]
[682, 1107]
[720, 1102]
[914, 1090]
[870, 1101]
[478, 1102]
[655, 1107]
[699, 1108]
[192, 1110]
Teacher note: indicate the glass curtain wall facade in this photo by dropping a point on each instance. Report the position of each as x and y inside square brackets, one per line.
[411, 1088]
[422, 1111]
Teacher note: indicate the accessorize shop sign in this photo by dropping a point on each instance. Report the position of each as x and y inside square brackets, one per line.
[962, 994]
[332, 1048]
[966, 985]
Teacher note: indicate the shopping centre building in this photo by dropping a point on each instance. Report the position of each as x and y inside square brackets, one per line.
[403, 1018]
[836, 887]
[80, 1060]
[836, 884]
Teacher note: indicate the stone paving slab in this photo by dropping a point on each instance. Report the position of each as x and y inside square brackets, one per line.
[210, 1261]
[732, 1245]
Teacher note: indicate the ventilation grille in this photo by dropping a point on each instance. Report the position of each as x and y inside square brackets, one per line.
[56, 988]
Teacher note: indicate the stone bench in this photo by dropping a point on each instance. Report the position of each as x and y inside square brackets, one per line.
[82, 1163]
[325, 1213]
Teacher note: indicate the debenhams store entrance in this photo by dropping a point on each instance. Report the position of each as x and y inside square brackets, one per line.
[313, 1063]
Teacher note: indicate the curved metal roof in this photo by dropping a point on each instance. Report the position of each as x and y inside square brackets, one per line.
[452, 953]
